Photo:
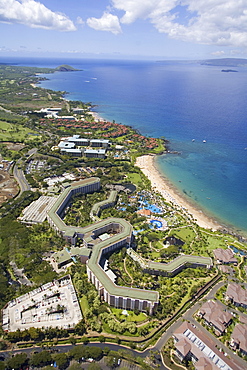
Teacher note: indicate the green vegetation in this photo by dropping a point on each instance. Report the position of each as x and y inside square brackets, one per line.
[16, 133]
[134, 316]
[25, 247]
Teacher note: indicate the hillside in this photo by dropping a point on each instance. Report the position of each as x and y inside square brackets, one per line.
[65, 68]
[225, 62]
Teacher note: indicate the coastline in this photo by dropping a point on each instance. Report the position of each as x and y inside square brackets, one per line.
[159, 183]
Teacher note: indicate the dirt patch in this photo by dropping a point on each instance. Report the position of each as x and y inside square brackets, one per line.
[8, 187]
[14, 146]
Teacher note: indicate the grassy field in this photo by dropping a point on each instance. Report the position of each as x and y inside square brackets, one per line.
[84, 305]
[135, 178]
[186, 234]
[11, 132]
[131, 316]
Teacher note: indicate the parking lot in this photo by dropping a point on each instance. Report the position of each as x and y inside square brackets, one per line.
[52, 305]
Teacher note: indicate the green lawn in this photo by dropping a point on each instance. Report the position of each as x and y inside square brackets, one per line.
[84, 304]
[134, 178]
[155, 255]
[186, 234]
[215, 242]
[15, 132]
[131, 316]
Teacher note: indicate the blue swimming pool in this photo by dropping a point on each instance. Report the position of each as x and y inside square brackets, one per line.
[153, 208]
[236, 250]
[156, 223]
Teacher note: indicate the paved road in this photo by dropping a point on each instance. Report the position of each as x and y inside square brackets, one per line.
[20, 178]
[66, 348]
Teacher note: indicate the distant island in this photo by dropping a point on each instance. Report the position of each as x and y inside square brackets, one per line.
[65, 68]
[225, 62]
[229, 70]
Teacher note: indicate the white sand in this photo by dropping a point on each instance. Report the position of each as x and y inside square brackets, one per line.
[96, 116]
[147, 164]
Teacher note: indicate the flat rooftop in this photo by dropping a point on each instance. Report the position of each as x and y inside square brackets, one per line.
[40, 307]
[36, 212]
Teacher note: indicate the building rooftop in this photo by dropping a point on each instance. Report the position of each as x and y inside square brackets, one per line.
[75, 150]
[36, 212]
[239, 336]
[213, 313]
[180, 261]
[202, 347]
[112, 198]
[66, 145]
[237, 294]
[94, 151]
[99, 141]
[225, 255]
[53, 212]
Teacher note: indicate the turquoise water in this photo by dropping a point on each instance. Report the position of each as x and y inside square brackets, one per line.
[185, 102]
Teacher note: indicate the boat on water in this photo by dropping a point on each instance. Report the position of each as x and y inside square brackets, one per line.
[204, 141]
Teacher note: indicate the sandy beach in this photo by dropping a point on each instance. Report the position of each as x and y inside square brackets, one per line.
[96, 116]
[147, 164]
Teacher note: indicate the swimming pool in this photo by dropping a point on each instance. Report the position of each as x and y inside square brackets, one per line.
[236, 250]
[153, 208]
[156, 223]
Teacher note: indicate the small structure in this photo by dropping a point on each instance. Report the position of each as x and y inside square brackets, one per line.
[225, 256]
[239, 338]
[75, 152]
[214, 316]
[225, 269]
[237, 295]
[66, 256]
[144, 212]
[172, 240]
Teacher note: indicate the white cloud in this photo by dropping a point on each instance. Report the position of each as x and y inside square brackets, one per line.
[34, 14]
[217, 22]
[218, 53]
[79, 20]
[108, 22]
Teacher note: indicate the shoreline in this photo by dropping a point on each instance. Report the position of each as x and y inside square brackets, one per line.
[159, 183]
[170, 193]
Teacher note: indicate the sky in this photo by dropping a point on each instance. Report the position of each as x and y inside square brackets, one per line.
[134, 29]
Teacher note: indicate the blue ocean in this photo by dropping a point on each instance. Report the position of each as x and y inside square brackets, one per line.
[201, 110]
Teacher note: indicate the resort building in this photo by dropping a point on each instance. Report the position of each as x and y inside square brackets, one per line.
[237, 295]
[101, 237]
[95, 153]
[225, 256]
[72, 146]
[36, 212]
[64, 257]
[239, 338]
[79, 141]
[214, 316]
[193, 345]
[171, 268]
[57, 212]
[76, 152]
[109, 202]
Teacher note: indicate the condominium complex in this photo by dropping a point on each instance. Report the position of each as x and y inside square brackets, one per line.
[193, 345]
[102, 237]
[78, 147]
